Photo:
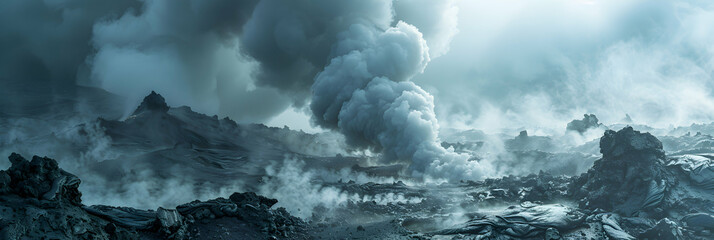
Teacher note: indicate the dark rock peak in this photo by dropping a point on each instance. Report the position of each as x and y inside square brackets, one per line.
[152, 102]
[628, 141]
[523, 134]
[627, 119]
[589, 121]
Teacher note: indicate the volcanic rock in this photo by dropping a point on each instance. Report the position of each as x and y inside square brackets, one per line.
[629, 178]
[581, 126]
[42, 201]
[152, 102]
[524, 221]
[523, 142]
[41, 178]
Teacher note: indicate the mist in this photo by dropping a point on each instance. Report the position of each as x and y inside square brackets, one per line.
[539, 65]
[418, 108]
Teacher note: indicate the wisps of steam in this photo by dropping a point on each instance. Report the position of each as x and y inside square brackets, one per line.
[538, 65]
[364, 93]
[301, 191]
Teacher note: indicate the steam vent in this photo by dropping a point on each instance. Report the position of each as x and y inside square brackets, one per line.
[356, 119]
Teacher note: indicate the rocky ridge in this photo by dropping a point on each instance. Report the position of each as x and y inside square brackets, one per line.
[40, 200]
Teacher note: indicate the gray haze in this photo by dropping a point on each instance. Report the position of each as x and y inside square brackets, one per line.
[540, 64]
[386, 74]
[511, 62]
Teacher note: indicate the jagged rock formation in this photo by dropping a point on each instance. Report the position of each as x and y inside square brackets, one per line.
[633, 192]
[152, 102]
[524, 142]
[40, 178]
[181, 143]
[581, 126]
[41, 201]
[629, 178]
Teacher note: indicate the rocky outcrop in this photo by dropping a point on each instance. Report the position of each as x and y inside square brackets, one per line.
[152, 102]
[195, 220]
[524, 142]
[588, 122]
[630, 178]
[41, 179]
[630, 143]
[250, 208]
[41, 201]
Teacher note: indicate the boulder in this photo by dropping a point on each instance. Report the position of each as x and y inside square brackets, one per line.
[581, 126]
[628, 142]
[40, 178]
[629, 179]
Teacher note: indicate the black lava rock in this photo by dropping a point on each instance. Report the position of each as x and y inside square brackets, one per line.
[152, 102]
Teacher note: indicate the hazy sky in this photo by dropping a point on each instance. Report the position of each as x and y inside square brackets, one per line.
[539, 64]
[493, 64]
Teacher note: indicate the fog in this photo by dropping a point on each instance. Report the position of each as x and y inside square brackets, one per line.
[388, 83]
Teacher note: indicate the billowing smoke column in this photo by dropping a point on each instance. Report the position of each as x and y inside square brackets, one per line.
[358, 56]
[351, 60]
[364, 92]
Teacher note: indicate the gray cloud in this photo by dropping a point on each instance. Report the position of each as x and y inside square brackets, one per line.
[364, 93]
[512, 64]
[293, 40]
[539, 65]
[220, 57]
[43, 46]
[186, 50]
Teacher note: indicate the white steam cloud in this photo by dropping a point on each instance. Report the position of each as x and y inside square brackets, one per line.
[364, 93]
[299, 190]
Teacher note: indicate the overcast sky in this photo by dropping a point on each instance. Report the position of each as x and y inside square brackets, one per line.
[541, 63]
[493, 64]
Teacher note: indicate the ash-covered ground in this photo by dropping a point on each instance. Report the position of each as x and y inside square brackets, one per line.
[172, 173]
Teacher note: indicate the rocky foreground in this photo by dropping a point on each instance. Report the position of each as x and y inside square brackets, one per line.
[41, 201]
[634, 191]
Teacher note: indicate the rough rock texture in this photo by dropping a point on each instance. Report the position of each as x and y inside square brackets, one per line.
[41, 178]
[630, 178]
[581, 126]
[523, 142]
[628, 142]
[699, 169]
[254, 210]
[633, 192]
[41, 201]
[525, 221]
[152, 102]
[248, 213]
